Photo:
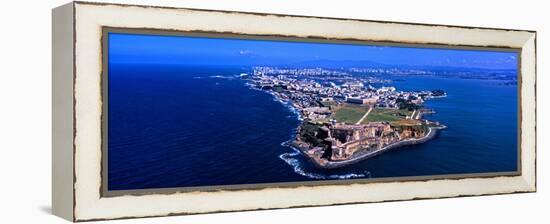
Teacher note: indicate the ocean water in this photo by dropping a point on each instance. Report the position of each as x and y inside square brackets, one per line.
[176, 126]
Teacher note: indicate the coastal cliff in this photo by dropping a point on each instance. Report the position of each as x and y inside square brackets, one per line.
[320, 162]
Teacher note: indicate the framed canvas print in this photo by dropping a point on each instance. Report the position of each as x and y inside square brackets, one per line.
[165, 111]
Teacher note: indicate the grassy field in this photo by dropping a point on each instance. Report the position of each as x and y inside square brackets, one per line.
[349, 113]
[389, 115]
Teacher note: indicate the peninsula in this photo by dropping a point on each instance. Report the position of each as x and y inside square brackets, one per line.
[344, 118]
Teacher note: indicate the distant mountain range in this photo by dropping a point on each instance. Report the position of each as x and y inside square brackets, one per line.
[326, 63]
[346, 64]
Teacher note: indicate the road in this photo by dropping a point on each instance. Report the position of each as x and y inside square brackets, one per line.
[364, 116]
[415, 115]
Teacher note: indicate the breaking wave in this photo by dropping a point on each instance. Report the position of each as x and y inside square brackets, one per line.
[287, 104]
[217, 77]
[224, 77]
[292, 159]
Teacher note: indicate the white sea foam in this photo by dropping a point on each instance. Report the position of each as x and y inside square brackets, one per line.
[292, 109]
[225, 77]
[291, 159]
[221, 77]
[287, 104]
[295, 163]
[216, 77]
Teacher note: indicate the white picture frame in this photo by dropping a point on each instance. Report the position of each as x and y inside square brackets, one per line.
[77, 111]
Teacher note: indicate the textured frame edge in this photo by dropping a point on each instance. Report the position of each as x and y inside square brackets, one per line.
[62, 111]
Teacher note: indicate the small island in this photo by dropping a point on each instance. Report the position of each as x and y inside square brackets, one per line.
[345, 121]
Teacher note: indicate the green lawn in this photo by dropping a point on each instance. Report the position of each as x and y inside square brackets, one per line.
[349, 114]
[390, 115]
[352, 113]
[405, 112]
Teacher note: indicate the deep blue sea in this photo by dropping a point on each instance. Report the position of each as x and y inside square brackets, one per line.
[176, 126]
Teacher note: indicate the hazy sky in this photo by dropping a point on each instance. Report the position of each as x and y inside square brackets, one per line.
[133, 48]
